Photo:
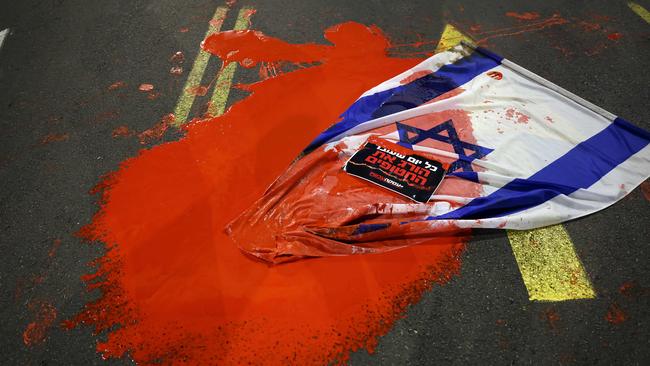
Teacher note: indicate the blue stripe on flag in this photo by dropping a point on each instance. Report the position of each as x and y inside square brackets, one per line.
[410, 95]
[581, 167]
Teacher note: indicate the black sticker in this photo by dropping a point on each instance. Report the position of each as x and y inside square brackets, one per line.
[395, 168]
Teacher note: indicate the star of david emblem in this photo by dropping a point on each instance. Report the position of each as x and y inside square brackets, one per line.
[409, 136]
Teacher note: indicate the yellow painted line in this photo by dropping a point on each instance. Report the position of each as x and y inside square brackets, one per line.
[221, 90]
[451, 37]
[547, 260]
[640, 11]
[549, 265]
[185, 101]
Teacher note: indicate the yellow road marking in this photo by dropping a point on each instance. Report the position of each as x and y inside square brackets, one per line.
[549, 265]
[224, 80]
[547, 260]
[640, 11]
[451, 37]
[185, 101]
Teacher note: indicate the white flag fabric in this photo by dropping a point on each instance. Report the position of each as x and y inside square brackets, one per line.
[520, 153]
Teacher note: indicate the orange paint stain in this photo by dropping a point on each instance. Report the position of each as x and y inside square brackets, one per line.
[176, 289]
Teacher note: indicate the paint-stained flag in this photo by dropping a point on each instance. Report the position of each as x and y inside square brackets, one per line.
[519, 151]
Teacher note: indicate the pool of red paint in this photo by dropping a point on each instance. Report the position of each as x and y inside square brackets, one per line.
[176, 289]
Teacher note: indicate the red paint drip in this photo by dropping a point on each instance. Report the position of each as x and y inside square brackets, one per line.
[523, 16]
[176, 289]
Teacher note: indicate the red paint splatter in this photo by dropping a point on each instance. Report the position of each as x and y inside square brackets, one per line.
[517, 116]
[181, 291]
[157, 131]
[184, 29]
[551, 21]
[145, 87]
[117, 85]
[495, 75]
[615, 315]
[645, 189]
[549, 119]
[176, 70]
[122, 131]
[523, 16]
[36, 331]
[54, 137]
[614, 36]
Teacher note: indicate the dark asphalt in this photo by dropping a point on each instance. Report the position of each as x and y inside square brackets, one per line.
[62, 55]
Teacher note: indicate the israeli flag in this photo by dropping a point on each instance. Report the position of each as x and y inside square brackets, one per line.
[542, 155]
[520, 153]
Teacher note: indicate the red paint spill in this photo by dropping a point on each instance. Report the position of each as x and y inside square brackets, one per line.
[523, 16]
[122, 131]
[157, 131]
[181, 291]
[645, 189]
[614, 36]
[117, 85]
[145, 87]
[615, 315]
[36, 331]
[54, 137]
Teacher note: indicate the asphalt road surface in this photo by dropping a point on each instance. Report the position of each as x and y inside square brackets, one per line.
[58, 57]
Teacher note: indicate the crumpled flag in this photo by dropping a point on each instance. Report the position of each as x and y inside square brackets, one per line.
[520, 152]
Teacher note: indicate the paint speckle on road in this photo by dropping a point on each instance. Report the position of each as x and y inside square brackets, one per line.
[122, 131]
[145, 87]
[54, 137]
[44, 316]
[614, 36]
[157, 131]
[117, 85]
[615, 315]
[523, 16]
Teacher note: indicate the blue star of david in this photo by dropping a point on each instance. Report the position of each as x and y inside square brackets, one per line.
[464, 161]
